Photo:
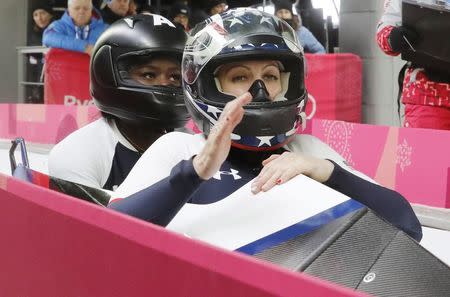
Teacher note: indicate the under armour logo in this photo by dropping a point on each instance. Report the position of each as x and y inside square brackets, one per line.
[232, 172]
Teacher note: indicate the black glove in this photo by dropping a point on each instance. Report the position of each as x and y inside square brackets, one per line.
[398, 36]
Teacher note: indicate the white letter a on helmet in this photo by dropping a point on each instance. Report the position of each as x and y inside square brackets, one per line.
[159, 20]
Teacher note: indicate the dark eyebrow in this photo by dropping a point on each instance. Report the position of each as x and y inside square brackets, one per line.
[152, 67]
[175, 69]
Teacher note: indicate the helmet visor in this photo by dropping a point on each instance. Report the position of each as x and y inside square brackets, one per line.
[149, 71]
[231, 31]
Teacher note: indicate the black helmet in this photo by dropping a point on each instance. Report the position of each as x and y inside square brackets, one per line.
[129, 41]
[246, 34]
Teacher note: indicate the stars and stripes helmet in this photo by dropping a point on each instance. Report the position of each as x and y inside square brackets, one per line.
[237, 35]
[130, 42]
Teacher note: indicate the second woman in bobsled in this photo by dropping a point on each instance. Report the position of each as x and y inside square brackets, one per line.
[135, 81]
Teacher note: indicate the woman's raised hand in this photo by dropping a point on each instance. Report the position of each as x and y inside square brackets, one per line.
[217, 147]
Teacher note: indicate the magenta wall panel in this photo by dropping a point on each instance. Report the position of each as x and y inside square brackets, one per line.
[55, 245]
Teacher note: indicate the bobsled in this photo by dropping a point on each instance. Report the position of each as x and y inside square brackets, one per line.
[319, 232]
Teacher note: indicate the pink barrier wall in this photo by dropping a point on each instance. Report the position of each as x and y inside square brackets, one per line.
[55, 245]
[334, 81]
[41, 123]
[414, 162]
[66, 79]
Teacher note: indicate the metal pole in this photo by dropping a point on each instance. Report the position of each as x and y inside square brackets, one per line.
[20, 77]
[264, 5]
[158, 6]
[335, 7]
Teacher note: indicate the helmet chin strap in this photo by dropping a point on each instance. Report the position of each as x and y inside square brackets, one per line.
[259, 91]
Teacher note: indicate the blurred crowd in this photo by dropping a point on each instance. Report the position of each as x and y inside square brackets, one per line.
[79, 25]
[75, 25]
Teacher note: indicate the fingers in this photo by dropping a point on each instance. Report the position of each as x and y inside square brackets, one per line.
[267, 177]
[266, 181]
[270, 159]
[287, 176]
[244, 99]
[234, 111]
[232, 114]
[217, 146]
[235, 105]
[271, 179]
[278, 169]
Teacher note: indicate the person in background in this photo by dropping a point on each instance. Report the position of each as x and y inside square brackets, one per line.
[114, 10]
[203, 9]
[42, 17]
[132, 8]
[179, 13]
[426, 91]
[213, 7]
[97, 4]
[146, 9]
[283, 10]
[135, 75]
[77, 30]
[198, 13]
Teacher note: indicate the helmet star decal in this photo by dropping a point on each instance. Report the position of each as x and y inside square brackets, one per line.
[215, 112]
[235, 21]
[266, 20]
[265, 140]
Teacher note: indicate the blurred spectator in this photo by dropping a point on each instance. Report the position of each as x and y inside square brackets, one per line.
[77, 30]
[201, 10]
[303, 4]
[198, 13]
[424, 89]
[42, 17]
[97, 4]
[283, 10]
[213, 7]
[146, 9]
[180, 13]
[115, 10]
[132, 8]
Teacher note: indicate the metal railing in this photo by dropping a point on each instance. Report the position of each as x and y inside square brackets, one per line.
[433, 217]
[22, 52]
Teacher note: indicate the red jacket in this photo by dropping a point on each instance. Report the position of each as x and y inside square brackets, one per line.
[417, 87]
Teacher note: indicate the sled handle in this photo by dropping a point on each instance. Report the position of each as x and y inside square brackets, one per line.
[23, 151]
